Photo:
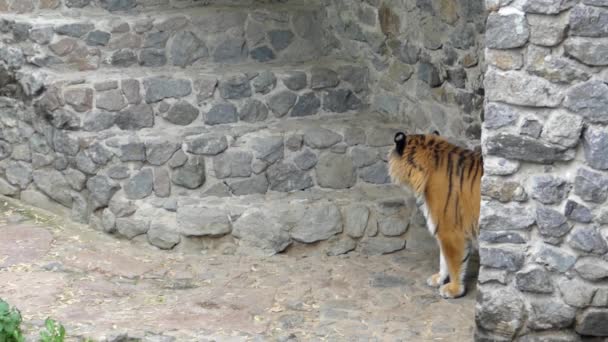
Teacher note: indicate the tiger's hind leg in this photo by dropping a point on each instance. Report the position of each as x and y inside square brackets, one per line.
[454, 248]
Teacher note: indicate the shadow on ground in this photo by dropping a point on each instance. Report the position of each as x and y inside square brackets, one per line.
[106, 289]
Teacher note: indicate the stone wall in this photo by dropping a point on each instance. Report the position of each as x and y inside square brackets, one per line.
[425, 59]
[544, 219]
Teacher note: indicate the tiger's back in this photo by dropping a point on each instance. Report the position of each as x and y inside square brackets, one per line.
[449, 179]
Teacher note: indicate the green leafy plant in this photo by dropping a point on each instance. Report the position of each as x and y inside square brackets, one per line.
[10, 324]
[54, 332]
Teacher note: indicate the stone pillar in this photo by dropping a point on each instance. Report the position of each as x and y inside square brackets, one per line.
[544, 215]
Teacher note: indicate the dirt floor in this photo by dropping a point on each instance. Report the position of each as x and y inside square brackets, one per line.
[103, 288]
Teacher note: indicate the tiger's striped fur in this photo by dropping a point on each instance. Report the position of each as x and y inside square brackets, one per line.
[448, 178]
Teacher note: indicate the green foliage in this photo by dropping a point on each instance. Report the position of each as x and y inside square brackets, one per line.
[54, 332]
[10, 324]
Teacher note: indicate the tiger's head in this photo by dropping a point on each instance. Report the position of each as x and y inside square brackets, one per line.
[411, 159]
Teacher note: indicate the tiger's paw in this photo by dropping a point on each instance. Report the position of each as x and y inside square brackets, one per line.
[452, 290]
[434, 280]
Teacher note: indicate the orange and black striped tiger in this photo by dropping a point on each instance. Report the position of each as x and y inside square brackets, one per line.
[448, 179]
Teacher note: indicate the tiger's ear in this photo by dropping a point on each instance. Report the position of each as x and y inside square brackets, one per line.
[436, 132]
[400, 142]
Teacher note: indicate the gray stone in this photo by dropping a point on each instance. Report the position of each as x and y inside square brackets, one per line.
[531, 128]
[551, 223]
[108, 221]
[550, 314]
[514, 88]
[392, 226]
[268, 149]
[102, 189]
[152, 57]
[592, 322]
[140, 186]
[172, 24]
[121, 206]
[376, 173]
[281, 102]
[271, 240]
[307, 104]
[554, 258]
[131, 150]
[503, 191]
[162, 183]
[264, 82]
[381, 136]
[42, 34]
[587, 239]
[306, 160]
[233, 164]
[499, 216]
[18, 174]
[99, 153]
[98, 121]
[131, 227]
[588, 21]
[294, 142]
[578, 212]
[335, 171]
[81, 99]
[77, 3]
[191, 175]
[255, 185]
[123, 58]
[85, 164]
[322, 78]
[194, 220]
[535, 280]
[357, 76]
[526, 149]
[253, 111]
[6, 189]
[181, 113]
[280, 39]
[53, 184]
[262, 54]
[179, 158]
[591, 268]
[508, 258]
[157, 40]
[159, 87]
[600, 298]
[590, 100]
[117, 5]
[548, 189]
[506, 31]
[130, 89]
[498, 115]
[547, 30]
[320, 138]
[206, 144]
[381, 245]
[231, 50]
[576, 292]
[364, 156]
[159, 150]
[563, 129]
[502, 237]
[457, 77]
[287, 178]
[591, 186]
[98, 38]
[429, 74]
[161, 234]
[186, 48]
[340, 246]
[595, 144]
[118, 172]
[205, 85]
[340, 101]
[355, 220]
[221, 113]
[80, 209]
[463, 37]
[295, 80]
[111, 100]
[432, 32]
[591, 51]
[75, 30]
[319, 222]
[547, 6]
[135, 117]
[488, 275]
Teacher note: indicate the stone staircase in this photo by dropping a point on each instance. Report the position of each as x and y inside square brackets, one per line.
[227, 121]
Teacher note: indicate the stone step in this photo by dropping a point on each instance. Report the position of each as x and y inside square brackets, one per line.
[138, 6]
[371, 219]
[174, 98]
[201, 36]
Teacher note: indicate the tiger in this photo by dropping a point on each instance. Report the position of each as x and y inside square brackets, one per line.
[447, 179]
